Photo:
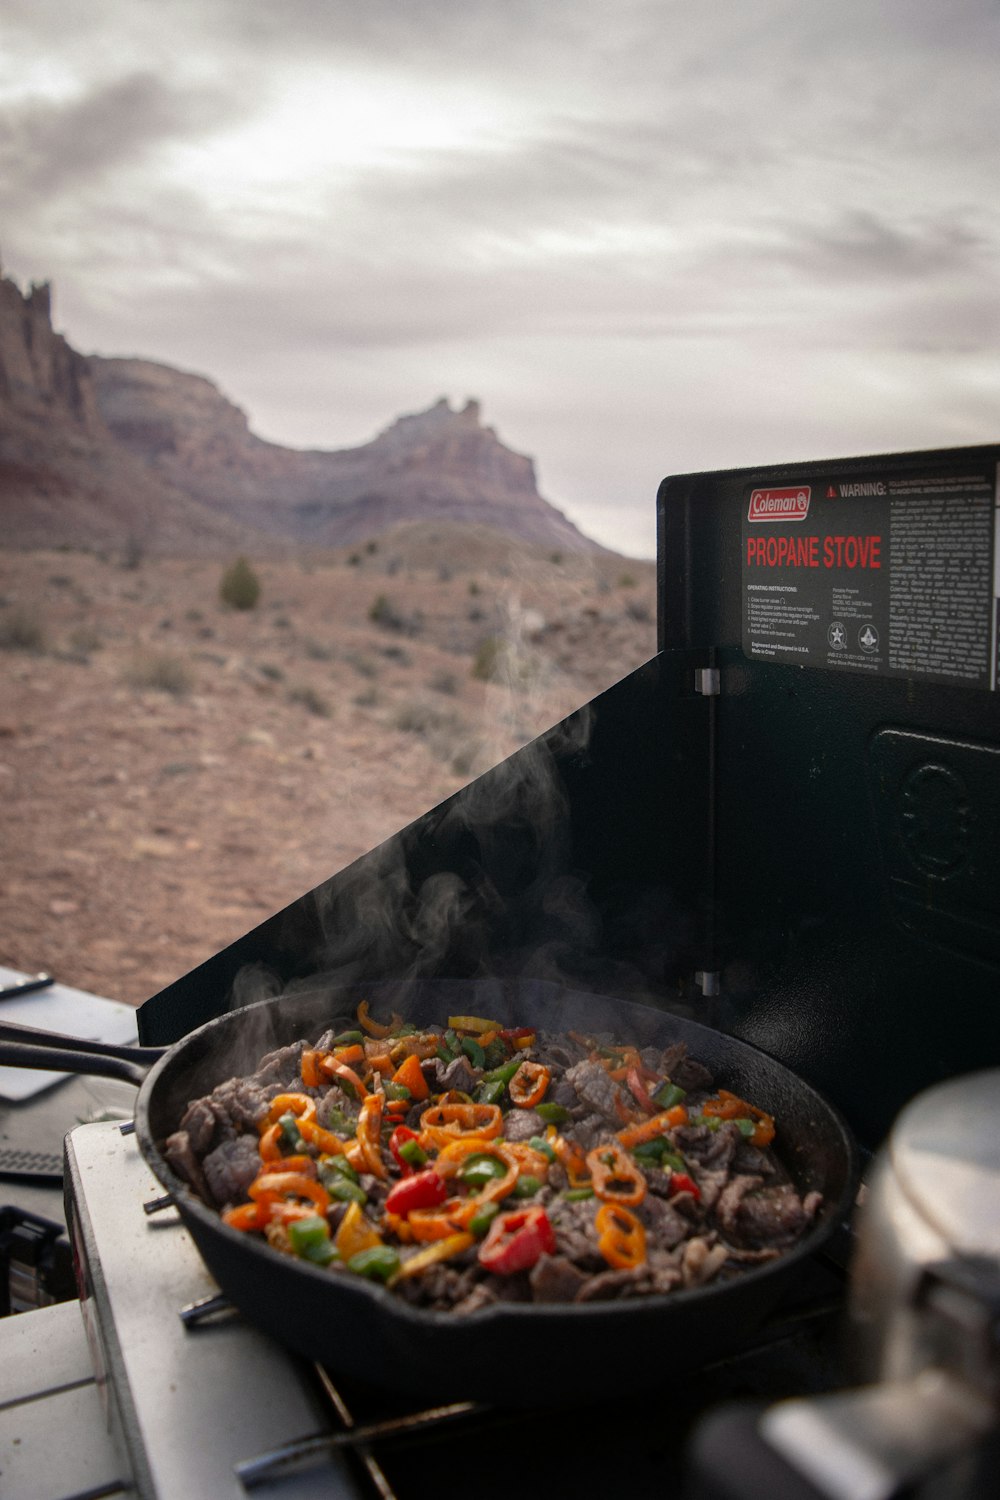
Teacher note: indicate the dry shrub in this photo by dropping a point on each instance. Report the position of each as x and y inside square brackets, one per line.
[444, 682]
[447, 733]
[159, 671]
[308, 698]
[85, 639]
[500, 660]
[22, 630]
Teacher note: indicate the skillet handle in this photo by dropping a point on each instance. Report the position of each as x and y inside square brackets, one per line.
[27, 1047]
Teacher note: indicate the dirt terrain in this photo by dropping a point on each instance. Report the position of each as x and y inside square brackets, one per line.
[173, 770]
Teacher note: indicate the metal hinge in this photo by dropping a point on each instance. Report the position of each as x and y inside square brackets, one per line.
[706, 681]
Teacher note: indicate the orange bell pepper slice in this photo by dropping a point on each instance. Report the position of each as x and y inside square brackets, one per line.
[656, 1125]
[271, 1188]
[727, 1106]
[621, 1237]
[311, 1076]
[299, 1105]
[573, 1161]
[444, 1123]
[411, 1076]
[269, 1147]
[528, 1085]
[614, 1176]
[353, 1054]
[429, 1224]
[530, 1163]
[369, 1134]
[323, 1140]
[379, 1060]
[376, 1028]
[247, 1216]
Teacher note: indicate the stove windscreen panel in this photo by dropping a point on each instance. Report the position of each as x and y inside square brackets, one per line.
[585, 856]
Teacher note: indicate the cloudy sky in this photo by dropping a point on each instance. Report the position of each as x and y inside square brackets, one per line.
[650, 236]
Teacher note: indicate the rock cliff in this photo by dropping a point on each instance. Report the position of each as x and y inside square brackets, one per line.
[65, 480]
[434, 464]
[97, 448]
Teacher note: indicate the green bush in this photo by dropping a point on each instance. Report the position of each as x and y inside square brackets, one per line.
[240, 586]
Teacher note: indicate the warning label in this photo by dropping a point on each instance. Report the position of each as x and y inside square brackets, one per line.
[886, 574]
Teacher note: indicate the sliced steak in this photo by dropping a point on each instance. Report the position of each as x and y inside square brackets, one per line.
[596, 1090]
[283, 1066]
[556, 1279]
[522, 1124]
[230, 1169]
[754, 1216]
[182, 1156]
[662, 1220]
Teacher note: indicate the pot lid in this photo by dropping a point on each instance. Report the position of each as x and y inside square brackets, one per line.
[945, 1154]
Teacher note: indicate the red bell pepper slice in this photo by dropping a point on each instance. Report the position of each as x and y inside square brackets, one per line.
[423, 1190]
[681, 1182]
[516, 1241]
[640, 1093]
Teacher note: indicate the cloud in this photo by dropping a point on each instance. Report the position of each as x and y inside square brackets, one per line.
[48, 147]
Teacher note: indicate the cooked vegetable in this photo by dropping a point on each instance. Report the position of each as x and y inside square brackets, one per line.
[516, 1241]
[621, 1238]
[615, 1176]
[728, 1107]
[440, 1162]
[422, 1190]
[528, 1085]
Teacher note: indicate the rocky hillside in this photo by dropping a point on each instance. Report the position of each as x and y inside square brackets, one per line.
[64, 478]
[97, 451]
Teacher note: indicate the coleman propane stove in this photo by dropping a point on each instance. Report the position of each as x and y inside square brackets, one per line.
[786, 825]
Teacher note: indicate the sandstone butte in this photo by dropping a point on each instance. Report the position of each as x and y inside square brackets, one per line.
[98, 451]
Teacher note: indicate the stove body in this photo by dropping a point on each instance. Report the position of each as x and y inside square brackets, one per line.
[786, 824]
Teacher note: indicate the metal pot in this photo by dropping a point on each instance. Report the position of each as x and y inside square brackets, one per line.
[925, 1315]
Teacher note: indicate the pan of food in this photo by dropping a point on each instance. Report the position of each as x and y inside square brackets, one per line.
[491, 1190]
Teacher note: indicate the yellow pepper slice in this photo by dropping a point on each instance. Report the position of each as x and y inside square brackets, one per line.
[430, 1256]
[355, 1233]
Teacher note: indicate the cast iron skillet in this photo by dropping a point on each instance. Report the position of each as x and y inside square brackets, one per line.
[507, 1353]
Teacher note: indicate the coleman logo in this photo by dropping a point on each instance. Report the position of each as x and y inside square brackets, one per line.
[779, 505]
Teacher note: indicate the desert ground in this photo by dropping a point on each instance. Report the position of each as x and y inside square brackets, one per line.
[173, 769]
